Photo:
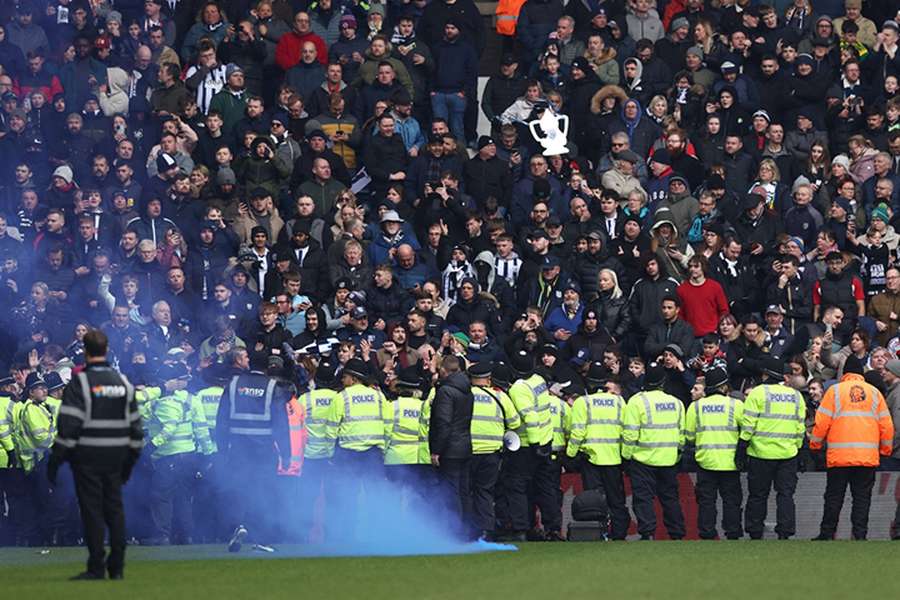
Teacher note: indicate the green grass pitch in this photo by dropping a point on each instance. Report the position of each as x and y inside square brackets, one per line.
[633, 570]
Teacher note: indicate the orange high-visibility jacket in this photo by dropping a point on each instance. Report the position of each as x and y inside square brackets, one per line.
[508, 15]
[854, 421]
[296, 413]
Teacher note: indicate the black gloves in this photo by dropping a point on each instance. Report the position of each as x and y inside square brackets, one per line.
[740, 455]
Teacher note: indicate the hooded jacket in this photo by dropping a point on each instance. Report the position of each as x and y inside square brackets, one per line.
[115, 100]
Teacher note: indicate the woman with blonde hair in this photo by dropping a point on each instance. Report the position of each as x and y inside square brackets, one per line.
[768, 179]
[611, 305]
[172, 249]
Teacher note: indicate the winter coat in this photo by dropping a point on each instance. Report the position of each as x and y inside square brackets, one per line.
[613, 314]
[115, 101]
[449, 435]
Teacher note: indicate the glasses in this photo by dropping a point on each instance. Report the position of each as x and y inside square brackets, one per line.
[618, 144]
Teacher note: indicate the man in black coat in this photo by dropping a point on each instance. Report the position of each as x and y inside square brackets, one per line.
[450, 438]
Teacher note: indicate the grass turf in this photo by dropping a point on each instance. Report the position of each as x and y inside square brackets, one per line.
[734, 570]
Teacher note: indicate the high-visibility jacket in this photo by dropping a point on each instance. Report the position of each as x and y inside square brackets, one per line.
[144, 397]
[854, 421]
[559, 420]
[34, 432]
[493, 413]
[403, 431]
[773, 422]
[178, 426]
[362, 413]
[296, 419]
[596, 422]
[209, 399]
[321, 431]
[9, 416]
[508, 15]
[424, 428]
[712, 424]
[532, 399]
[653, 429]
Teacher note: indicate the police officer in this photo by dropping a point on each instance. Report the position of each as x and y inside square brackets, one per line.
[772, 430]
[401, 455]
[532, 466]
[596, 433]
[652, 439]
[493, 414]
[360, 412]
[712, 425]
[9, 474]
[252, 415]
[177, 436]
[321, 437]
[100, 434]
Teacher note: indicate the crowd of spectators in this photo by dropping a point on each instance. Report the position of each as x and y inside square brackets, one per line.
[300, 179]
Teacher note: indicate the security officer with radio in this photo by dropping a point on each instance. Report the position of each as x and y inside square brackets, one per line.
[772, 431]
[493, 414]
[652, 439]
[99, 433]
[532, 467]
[712, 425]
[251, 431]
[596, 424]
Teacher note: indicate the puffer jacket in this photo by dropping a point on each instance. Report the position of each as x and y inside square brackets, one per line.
[451, 418]
[115, 101]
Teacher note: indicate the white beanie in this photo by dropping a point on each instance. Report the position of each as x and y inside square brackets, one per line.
[64, 172]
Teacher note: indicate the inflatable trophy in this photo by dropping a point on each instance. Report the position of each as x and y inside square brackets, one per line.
[555, 128]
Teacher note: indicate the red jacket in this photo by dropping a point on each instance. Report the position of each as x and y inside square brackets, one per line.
[287, 52]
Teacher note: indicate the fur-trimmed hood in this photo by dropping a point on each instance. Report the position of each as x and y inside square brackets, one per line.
[607, 91]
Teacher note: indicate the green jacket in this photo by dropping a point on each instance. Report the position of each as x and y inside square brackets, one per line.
[403, 434]
[653, 429]
[321, 431]
[178, 426]
[532, 400]
[231, 107]
[596, 422]
[9, 416]
[773, 422]
[489, 421]
[712, 424]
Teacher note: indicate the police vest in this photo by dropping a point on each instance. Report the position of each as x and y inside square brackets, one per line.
[209, 399]
[250, 412]
[532, 399]
[403, 437]
[596, 428]
[773, 422]
[559, 419]
[487, 422]
[362, 418]
[34, 432]
[9, 414]
[712, 424]
[172, 425]
[321, 429]
[653, 429]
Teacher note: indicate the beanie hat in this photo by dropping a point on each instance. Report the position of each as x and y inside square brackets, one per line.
[64, 172]
[881, 212]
